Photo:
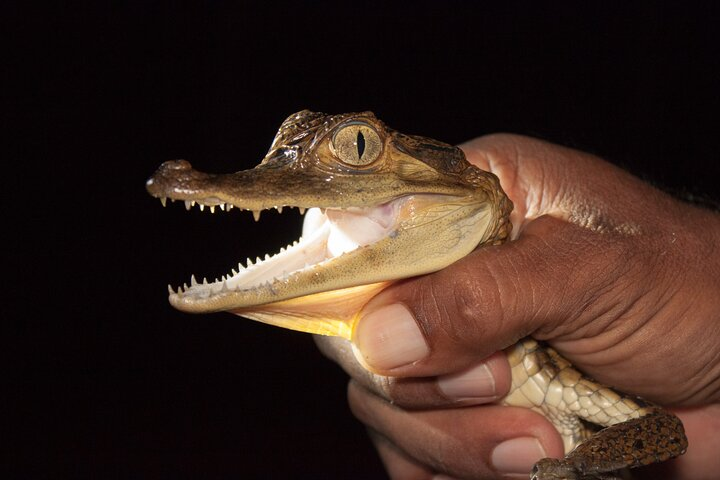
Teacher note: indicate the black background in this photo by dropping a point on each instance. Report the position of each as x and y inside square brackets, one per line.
[103, 378]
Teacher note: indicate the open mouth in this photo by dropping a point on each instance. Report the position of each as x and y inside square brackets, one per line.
[327, 233]
[382, 207]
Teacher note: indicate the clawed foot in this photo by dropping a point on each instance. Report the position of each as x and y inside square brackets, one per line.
[554, 469]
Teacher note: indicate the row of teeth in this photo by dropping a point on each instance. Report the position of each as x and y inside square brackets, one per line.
[222, 282]
[225, 207]
[184, 289]
[221, 285]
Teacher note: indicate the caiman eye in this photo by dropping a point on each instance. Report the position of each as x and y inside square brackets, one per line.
[357, 144]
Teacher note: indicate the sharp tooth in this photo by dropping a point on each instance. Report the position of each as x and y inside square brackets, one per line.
[193, 282]
[222, 207]
[249, 262]
[163, 200]
[185, 287]
[302, 210]
[202, 207]
[229, 206]
[240, 267]
[212, 208]
[258, 260]
[205, 282]
[188, 204]
[170, 290]
[279, 209]
[256, 215]
[267, 256]
[234, 272]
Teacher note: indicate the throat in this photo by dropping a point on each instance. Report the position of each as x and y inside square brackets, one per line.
[334, 312]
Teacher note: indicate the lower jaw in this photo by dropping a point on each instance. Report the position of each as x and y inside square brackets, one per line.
[333, 312]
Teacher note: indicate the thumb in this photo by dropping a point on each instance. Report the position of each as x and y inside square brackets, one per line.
[447, 321]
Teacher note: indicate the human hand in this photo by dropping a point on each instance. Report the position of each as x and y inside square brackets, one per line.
[620, 278]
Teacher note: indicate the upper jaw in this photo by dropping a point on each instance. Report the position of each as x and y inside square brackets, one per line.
[361, 234]
[265, 187]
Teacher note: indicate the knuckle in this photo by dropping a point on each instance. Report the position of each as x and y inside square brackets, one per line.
[457, 304]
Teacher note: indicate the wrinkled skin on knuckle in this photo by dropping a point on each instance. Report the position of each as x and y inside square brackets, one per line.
[456, 307]
[583, 280]
[611, 281]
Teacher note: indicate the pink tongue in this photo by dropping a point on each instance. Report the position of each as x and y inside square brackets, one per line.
[351, 229]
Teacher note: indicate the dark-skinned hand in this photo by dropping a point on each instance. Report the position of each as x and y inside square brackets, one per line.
[622, 279]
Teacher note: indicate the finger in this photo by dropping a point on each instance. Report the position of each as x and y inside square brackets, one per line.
[485, 382]
[474, 442]
[447, 321]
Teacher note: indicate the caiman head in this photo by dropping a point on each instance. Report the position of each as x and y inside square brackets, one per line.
[383, 206]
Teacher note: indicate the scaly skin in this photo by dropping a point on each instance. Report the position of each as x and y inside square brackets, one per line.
[388, 206]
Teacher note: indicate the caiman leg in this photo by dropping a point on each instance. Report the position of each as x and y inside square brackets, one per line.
[635, 433]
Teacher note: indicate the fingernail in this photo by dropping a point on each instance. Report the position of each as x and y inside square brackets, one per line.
[476, 384]
[517, 456]
[389, 337]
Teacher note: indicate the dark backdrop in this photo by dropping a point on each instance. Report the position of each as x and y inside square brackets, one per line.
[103, 378]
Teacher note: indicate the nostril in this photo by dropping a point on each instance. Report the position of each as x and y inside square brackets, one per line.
[177, 165]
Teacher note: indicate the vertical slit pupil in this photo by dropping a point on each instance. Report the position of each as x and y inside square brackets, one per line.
[360, 144]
